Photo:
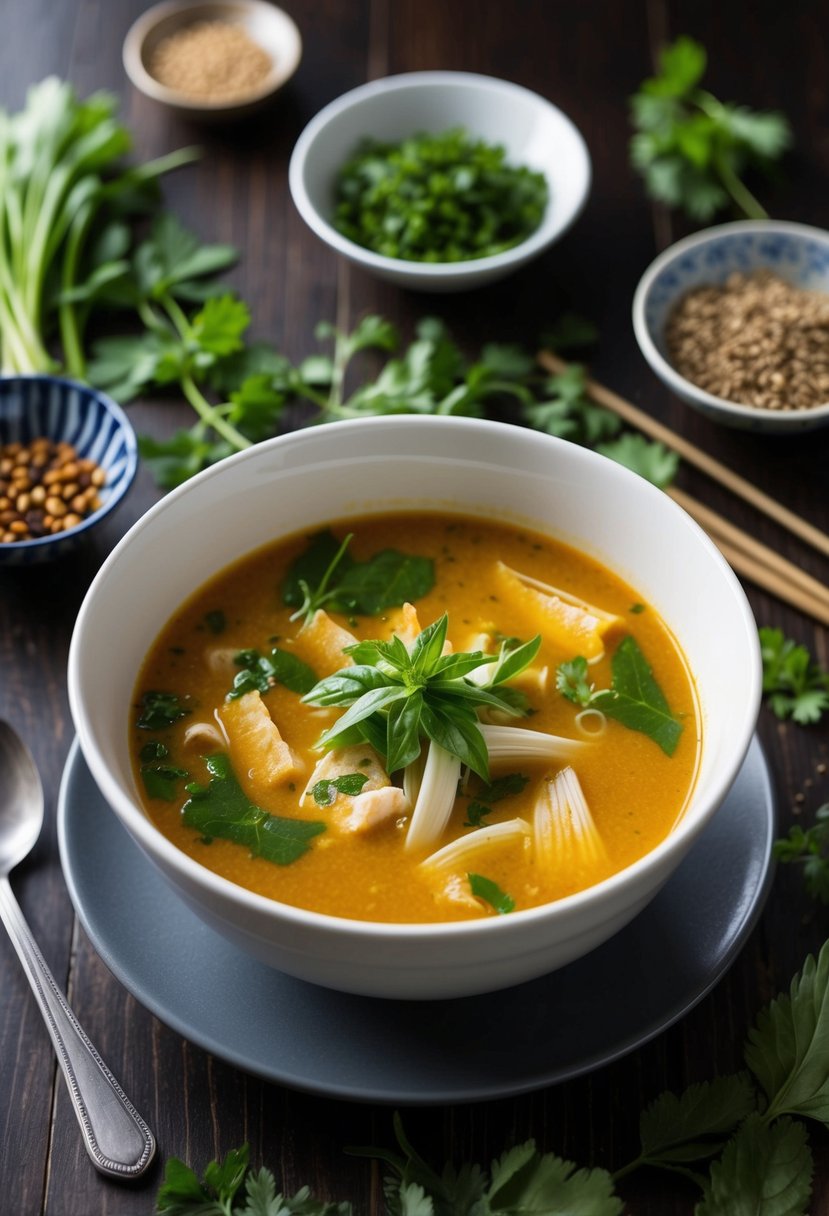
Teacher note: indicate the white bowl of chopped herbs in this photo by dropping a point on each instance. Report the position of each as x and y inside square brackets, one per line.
[440, 181]
[735, 321]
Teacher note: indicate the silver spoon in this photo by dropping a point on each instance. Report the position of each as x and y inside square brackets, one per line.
[115, 1136]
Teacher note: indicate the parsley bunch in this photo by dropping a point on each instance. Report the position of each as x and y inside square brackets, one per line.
[741, 1139]
[396, 697]
[691, 148]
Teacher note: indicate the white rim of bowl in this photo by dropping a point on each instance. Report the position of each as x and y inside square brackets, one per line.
[132, 58]
[532, 244]
[660, 364]
[155, 843]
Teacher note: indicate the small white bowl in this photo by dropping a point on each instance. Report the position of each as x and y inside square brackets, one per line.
[302, 480]
[266, 25]
[533, 132]
[795, 252]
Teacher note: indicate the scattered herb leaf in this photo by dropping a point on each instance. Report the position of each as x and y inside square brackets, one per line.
[325, 792]
[159, 710]
[160, 780]
[691, 148]
[809, 848]
[222, 809]
[260, 672]
[216, 621]
[484, 888]
[327, 576]
[765, 1170]
[154, 750]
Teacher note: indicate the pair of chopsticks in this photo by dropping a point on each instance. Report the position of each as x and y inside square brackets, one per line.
[747, 556]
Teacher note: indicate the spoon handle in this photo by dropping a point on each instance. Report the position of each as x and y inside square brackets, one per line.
[117, 1139]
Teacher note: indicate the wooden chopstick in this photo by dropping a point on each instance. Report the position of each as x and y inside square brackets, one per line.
[757, 562]
[694, 455]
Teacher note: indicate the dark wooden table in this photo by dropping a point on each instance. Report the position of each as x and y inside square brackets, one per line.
[588, 58]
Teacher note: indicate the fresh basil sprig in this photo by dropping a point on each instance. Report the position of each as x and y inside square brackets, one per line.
[397, 697]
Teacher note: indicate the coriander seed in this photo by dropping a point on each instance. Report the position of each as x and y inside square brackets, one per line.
[40, 489]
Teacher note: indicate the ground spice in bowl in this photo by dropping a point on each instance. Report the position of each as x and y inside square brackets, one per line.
[755, 340]
[211, 61]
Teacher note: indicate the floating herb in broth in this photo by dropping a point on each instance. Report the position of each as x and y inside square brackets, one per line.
[416, 762]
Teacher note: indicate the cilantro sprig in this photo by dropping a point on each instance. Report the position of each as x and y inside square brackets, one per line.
[693, 149]
[795, 686]
[809, 848]
[395, 697]
[741, 1139]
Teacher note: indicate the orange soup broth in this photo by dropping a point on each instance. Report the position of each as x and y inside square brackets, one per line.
[635, 792]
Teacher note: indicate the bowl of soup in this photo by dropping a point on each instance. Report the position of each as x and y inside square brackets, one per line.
[415, 707]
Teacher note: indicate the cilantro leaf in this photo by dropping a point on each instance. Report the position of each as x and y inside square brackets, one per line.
[677, 1130]
[648, 458]
[484, 888]
[786, 1047]
[219, 326]
[764, 1171]
[568, 332]
[810, 848]
[636, 700]
[222, 809]
[691, 148]
[182, 1194]
[481, 805]
[794, 684]
[572, 682]
[567, 411]
[526, 1181]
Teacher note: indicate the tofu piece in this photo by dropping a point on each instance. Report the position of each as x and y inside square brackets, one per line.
[261, 758]
[374, 808]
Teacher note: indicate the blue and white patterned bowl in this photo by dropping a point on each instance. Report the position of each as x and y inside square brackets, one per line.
[64, 410]
[796, 252]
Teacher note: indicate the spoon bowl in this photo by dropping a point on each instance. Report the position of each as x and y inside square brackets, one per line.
[21, 800]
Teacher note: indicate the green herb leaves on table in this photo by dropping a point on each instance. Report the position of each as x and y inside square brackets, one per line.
[437, 198]
[395, 698]
[809, 847]
[741, 1139]
[66, 203]
[692, 149]
[634, 697]
[794, 685]
[222, 809]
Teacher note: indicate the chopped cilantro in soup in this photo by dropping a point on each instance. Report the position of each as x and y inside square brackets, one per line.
[415, 718]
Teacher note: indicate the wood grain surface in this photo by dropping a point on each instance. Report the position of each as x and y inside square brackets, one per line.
[587, 58]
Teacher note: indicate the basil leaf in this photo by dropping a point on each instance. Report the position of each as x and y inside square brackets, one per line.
[385, 581]
[489, 891]
[513, 659]
[222, 809]
[456, 729]
[346, 686]
[371, 703]
[636, 700]
[403, 732]
[428, 648]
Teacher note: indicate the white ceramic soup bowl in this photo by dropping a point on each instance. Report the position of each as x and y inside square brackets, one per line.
[302, 480]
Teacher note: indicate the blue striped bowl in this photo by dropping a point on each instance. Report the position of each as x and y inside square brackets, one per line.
[795, 252]
[64, 410]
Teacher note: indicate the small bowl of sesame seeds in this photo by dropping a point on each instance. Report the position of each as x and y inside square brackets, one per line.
[68, 455]
[735, 321]
[212, 60]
